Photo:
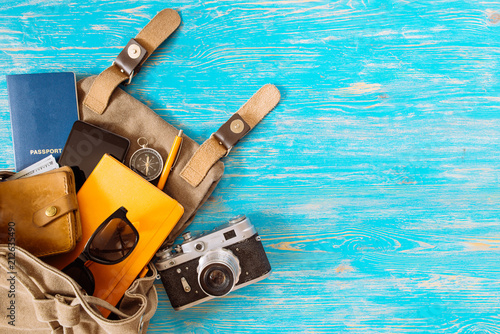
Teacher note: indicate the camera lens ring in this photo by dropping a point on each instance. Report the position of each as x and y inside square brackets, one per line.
[218, 272]
[216, 280]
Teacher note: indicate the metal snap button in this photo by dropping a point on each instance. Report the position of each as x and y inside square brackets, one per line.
[237, 126]
[51, 211]
[134, 51]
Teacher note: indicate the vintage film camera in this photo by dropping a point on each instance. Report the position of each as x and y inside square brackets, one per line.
[213, 264]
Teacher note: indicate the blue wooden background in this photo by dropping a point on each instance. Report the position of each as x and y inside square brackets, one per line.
[374, 183]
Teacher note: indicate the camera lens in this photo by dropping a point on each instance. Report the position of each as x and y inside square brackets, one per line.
[218, 272]
[216, 280]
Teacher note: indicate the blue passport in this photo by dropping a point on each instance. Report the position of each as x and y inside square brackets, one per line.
[43, 108]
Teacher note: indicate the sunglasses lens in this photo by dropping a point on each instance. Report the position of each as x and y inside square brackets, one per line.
[82, 275]
[113, 242]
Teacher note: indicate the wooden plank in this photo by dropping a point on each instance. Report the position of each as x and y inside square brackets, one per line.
[374, 183]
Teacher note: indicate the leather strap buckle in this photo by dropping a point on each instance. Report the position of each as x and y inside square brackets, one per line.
[130, 59]
[231, 132]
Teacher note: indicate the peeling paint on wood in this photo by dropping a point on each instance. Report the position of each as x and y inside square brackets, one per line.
[375, 182]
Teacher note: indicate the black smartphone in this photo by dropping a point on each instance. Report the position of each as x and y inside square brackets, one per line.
[85, 147]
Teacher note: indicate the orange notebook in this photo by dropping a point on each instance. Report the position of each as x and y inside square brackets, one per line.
[153, 213]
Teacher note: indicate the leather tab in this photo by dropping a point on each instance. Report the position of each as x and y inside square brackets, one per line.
[98, 97]
[54, 210]
[202, 160]
[148, 39]
[231, 132]
[130, 58]
[221, 142]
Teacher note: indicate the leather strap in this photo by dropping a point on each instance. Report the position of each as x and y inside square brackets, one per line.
[222, 141]
[130, 60]
[54, 210]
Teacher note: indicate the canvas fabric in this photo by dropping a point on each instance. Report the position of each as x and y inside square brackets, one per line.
[37, 298]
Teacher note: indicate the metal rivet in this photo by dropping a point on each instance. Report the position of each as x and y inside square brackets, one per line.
[237, 126]
[134, 51]
[51, 211]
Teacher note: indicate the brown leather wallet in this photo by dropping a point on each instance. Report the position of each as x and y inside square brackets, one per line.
[40, 213]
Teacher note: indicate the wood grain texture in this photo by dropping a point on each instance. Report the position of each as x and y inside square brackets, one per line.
[374, 183]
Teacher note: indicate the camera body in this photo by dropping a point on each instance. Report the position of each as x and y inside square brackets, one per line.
[213, 264]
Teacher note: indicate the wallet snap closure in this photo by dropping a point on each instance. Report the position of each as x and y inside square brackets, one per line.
[54, 210]
[51, 211]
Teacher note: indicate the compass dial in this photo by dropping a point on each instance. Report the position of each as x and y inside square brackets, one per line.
[147, 163]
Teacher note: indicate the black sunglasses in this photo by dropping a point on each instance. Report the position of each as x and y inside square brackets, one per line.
[112, 242]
